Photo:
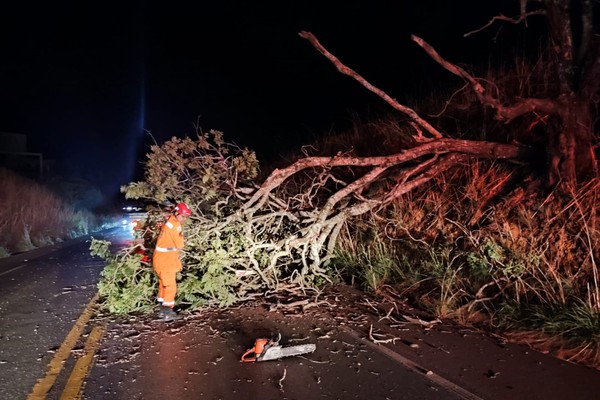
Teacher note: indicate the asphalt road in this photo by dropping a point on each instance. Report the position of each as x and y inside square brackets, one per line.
[52, 346]
[363, 351]
[199, 358]
[42, 294]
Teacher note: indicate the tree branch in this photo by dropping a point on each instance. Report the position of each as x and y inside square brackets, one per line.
[440, 146]
[522, 18]
[348, 71]
[503, 113]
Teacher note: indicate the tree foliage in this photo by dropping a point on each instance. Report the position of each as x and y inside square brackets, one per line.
[206, 169]
[211, 177]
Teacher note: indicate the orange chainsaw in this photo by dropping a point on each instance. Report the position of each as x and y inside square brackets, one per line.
[269, 349]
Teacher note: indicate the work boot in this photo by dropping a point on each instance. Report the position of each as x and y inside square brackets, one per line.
[168, 314]
[158, 304]
[161, 311]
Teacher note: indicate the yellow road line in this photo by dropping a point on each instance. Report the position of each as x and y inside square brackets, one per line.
[43, 385]
[81, 369]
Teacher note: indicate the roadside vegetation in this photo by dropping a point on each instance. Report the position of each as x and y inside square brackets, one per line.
[524, 265]
[485, 213]
[33, 216]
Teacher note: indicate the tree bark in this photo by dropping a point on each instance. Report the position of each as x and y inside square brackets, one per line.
[570, 151]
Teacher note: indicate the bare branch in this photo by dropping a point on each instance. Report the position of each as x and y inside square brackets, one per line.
[348, 71]
[366, 179]
[447, 102]
[439, 167]
[440, 146]
[522, 18]
[503, 113]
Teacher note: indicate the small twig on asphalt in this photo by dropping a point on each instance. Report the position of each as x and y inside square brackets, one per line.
[212, 330]
[400, 327]
[282, 378]
[314, 361]
[315, 304]
[378, 341]
[372, 306]
[299, 339]
[419, 321]
[389, 316]
[295, 303]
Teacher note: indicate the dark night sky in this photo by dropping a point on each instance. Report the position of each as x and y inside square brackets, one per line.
[84, 80]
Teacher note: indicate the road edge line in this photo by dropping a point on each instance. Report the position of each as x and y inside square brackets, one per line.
[8, 271]
[415, 367]
[43, 385]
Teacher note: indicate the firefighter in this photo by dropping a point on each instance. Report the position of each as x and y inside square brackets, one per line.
[166, 260]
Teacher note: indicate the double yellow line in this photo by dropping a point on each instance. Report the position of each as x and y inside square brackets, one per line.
[74, 384]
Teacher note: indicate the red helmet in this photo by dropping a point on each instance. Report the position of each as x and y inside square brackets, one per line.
[183, 209]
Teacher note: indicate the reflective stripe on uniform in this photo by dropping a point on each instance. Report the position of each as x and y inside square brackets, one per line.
[169, 224]
[168, 303]
[165, 249]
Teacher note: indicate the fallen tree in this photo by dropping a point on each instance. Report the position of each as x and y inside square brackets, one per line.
[246, 238]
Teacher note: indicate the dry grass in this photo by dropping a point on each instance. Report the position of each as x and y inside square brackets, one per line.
[585, 353]
[475, 247]
[32, 216]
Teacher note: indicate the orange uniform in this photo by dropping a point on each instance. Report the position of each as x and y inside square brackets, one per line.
[166, 260]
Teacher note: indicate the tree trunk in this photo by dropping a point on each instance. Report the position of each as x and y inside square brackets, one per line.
[569, 146]
[570, 142]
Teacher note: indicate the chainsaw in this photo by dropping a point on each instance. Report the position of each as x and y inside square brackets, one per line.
[269, 349]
